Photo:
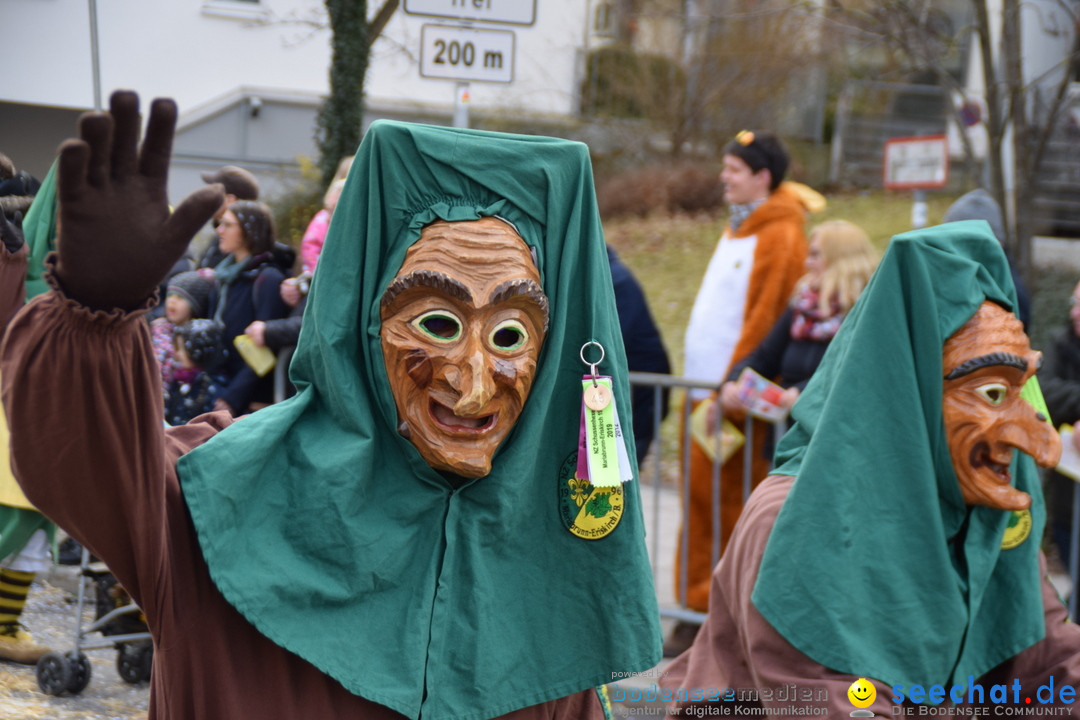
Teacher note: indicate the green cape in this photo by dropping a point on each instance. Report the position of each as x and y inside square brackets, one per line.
[39, 229]
[866, 570]
[329, 532]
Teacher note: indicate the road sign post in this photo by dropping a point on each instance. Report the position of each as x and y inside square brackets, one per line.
[466, 53]
[510, 12]
[453, 52]
[918, 164]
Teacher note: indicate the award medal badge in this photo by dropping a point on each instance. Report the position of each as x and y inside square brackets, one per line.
[591, 500]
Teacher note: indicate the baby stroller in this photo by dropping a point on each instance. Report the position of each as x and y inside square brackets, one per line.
[120, 623]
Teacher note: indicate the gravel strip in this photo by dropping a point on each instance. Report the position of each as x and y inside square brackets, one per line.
[50, 617]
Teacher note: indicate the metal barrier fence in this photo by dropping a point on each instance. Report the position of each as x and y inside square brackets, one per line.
[665, 502]
[1074, 549]
[281, 373]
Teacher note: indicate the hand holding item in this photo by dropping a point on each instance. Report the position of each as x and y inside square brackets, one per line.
[290, 291]
[726, 404]
[730, 400]
[787, 400]
[116, 237]
[257, 332]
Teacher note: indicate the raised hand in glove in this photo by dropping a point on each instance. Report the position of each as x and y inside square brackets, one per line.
[116, 238]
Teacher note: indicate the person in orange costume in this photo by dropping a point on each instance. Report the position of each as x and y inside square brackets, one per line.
[746, 287]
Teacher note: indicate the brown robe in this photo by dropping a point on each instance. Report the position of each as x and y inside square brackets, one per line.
[738, 649]
[83, 397]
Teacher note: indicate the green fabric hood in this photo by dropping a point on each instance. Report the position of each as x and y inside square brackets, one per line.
[328, 531]
[875, 566]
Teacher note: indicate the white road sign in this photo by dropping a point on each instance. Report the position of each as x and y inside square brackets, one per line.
[453, 52]
[514, 12]
[913, 163]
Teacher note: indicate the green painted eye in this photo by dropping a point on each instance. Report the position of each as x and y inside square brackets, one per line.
[509, 335]
[993, 393]
[439, 324]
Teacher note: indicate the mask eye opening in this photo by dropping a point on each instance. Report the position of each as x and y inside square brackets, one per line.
[508, 336]
[993, 393]
[439, 325]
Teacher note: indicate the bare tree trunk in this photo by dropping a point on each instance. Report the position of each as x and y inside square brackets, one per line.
[1019, 229]
[995, 127]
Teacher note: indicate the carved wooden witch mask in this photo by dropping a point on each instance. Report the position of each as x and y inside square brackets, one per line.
[986, 363]
[462, 326]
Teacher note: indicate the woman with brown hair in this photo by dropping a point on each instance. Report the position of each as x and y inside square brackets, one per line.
[248, 281]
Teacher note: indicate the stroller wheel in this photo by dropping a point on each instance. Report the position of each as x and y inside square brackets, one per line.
[53, 674]
[146, 661]
[79, 667]
[135, 661]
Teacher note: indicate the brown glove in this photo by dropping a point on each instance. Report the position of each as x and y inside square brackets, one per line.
[116, 238]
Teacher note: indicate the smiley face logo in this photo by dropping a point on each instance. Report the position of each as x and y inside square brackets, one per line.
[862, 693]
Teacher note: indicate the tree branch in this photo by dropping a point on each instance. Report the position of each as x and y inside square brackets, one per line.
[375, 27]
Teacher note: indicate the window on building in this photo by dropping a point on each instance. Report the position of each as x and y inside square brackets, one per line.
[604, 19]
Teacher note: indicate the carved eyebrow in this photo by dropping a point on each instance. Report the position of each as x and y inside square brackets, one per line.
[429, 279]
[991, 359]
[521, 287]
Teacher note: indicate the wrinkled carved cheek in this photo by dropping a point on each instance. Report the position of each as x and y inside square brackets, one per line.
[506, 373]
[515, 378]
[418, 367]
[961, 432]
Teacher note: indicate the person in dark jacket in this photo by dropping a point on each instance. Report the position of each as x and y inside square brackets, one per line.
[1059, 378]
[1060, 372]
[195, 385]
[644, 351]
[248, 289]
[980, 205]
[283, 333]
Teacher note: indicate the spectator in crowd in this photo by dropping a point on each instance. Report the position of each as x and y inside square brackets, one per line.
[838, 266]
[277, 335]
[17, 190]
[644, 351]
[183, 265]
[239, 184]
[315, 235]
[187, 297]
[1060, 381]
[248, 289]
[980, 205]
[26, 536]
[194, 388]
[746, 288]
[394, 540]
[898, 538]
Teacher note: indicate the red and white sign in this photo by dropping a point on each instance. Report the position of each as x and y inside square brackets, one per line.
[916, 163]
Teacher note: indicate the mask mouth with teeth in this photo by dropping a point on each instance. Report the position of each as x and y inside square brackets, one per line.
[463, 322]
[987, 362]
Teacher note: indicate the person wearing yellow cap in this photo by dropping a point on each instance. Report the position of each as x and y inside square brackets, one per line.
[746, 289]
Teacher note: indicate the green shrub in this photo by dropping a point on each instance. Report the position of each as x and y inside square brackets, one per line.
[622, 83]
[666, 187]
